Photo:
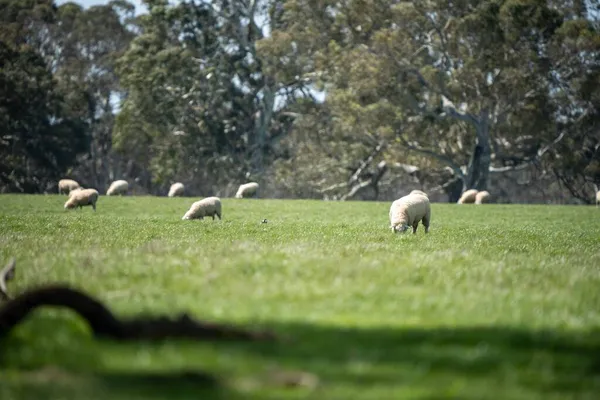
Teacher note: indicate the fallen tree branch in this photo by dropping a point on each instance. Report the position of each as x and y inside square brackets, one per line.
[7, 274]
[105, 324]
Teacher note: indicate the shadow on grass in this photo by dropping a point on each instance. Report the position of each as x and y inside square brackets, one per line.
[490, 358]
[543, 360]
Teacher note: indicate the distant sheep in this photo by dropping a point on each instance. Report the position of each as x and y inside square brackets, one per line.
[597, 198]
[82, 197]
[419, 192]
[408, 211]
[117, 188]
[247, 190]
[66, 185]
[207, 207]
[176, 190]
[468, 197]
[482, 197]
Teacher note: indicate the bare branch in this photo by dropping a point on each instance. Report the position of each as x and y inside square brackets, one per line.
[366, 162]
[540, 153]
[440, 157]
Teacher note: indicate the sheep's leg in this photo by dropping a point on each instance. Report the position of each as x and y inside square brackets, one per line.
[94, 206]
[213, 217]
[415, 226]
[219, 215]
[426, 220]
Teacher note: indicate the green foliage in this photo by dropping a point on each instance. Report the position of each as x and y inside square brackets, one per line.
[495, 302]
[495, 61]
[39, 139]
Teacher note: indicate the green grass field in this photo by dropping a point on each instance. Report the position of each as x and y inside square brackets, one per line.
[496, 302]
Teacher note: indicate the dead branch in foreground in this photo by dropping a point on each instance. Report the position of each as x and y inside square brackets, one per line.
[7, 274]
[105, 324]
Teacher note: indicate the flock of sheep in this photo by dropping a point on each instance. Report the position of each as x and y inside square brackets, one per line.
[404, 213]
[207, 207]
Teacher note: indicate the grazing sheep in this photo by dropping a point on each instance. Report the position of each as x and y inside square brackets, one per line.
[247, 190]
[597, 198]
[75, 191]
[207, 207]
[468, 197]
[419, 192]
[176, 190]
[409, 211]
[482, 197]
[82, 197]
[66, 185]
[117, 188]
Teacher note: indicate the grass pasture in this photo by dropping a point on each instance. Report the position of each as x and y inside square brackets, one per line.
[497, 302]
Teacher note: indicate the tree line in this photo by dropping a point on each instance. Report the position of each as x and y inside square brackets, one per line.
[351, 99]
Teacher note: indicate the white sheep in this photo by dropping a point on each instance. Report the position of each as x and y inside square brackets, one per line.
[117, 188]
[597, 198]
[468, 197]
[176, 190]
[416, 191]
[409, 211]
[66, 185]
[247, 190]
[482, 197]
[206, 207]
[82, 197]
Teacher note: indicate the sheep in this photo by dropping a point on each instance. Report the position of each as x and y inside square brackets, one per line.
[117, 188]
[176, 190]
[82, 197]
[597, 198]
[409, 211]
[482, 197]
[419, 192]
[66, 185]
[247, 190]
[468, 197]
[207, 207]
[72, 192]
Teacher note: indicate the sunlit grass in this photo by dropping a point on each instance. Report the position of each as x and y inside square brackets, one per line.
[496, 302]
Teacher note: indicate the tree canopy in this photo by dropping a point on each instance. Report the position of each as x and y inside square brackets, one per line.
[354, 99]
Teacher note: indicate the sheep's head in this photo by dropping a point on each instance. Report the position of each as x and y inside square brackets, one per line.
[400, 228]
[70, 204]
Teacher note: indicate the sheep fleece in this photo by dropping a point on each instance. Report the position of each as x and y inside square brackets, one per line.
[468, 197]
[83, 197]
[117, 187]
[482, 197]
[207, 207]
[176, 189]
[409, 211]
[247, 190]
[67, 185]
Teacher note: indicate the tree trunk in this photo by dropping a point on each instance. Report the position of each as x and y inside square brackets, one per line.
[479, 165]
[261, 127]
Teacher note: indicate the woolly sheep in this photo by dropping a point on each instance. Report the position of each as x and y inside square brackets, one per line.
[482, 197]
[207, 207]
[117, 188]
[82, 197]
[176, 189]
[66, 185]
[72, 192]
[409, 211]
[597, 198]
[419, 192]
[247, 190]
[468, 197]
